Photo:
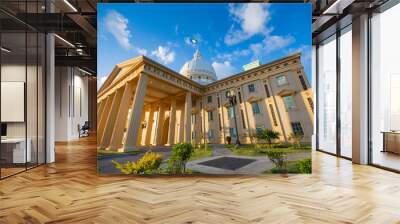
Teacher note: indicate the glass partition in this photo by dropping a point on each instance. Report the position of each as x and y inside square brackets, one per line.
[346, 92]
[385, 89]
[22, 101]
[327, 95]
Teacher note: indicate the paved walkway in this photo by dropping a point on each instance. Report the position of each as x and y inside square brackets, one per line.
[260, 164]
[220, 150]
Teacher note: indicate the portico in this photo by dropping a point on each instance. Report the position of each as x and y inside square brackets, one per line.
[145, 105]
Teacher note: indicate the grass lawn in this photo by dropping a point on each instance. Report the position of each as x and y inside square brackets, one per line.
[101, 153]
[250, 150]
[200, 153]
[291, 167]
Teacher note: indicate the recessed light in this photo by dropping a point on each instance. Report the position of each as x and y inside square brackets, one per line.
[5, 50]
[70, 5]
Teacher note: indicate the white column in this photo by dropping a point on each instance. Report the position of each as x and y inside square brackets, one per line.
[50, 98]
[188, 113]
[160, 124]
[136, 114]
[360, 90]
[149, 127]
[172, 119]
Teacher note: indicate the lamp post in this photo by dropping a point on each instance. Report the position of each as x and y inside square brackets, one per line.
[232, 103]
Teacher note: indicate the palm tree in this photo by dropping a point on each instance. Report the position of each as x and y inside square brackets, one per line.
[268, 135]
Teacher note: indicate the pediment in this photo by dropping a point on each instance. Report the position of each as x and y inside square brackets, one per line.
[286, 92]
[253, 99]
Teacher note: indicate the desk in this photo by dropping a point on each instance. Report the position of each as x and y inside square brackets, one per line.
[13, 150]
[391, 141]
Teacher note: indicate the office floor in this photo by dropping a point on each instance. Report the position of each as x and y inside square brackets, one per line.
[70, 191]
[387, 159]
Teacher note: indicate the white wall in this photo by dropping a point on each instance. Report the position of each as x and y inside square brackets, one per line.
[71, 102]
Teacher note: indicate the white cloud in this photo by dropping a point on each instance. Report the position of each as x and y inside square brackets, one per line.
[142, 51]
[252, 19]
[271, 44]
[224, 69]
[117, 25]
[234, 55]
[164, 54]
[176, 29]
[100, 81]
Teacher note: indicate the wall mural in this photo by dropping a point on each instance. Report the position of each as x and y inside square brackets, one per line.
[204, 89]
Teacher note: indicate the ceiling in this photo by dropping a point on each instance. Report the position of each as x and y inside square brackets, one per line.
[73, 21]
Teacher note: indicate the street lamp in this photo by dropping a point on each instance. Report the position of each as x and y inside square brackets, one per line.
[232, 103]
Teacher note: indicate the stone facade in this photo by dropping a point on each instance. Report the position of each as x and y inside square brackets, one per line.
[143, 103]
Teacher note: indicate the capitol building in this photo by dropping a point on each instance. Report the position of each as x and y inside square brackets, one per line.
[143, 103]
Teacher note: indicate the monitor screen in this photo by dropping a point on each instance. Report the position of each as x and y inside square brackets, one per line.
[3, 129]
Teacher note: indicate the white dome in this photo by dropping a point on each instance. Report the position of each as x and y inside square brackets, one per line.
[199, 70]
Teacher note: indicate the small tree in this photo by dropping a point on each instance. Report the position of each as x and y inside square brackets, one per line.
[296, 138]
[268, 136]
[180, 155]
[277, 157]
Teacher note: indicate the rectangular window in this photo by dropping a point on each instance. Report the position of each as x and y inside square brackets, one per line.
[227, 94]
[297, 129]
[266, 90]
[281, 80]
[211, 134]
[240, 97]
[273, 115]
[231, 113]
[244, 123]
[232, 132]
[219, 104]
[193, 135]
[209, 99]
[289, 102]
[311, 103]
[303, 82]
[259, 128]
[252, 88]
[255, 107]
[210, 116]
[219, 122]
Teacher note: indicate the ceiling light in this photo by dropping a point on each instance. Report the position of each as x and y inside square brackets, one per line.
[84, 71]
[5, 50]
[64, 40]
[337, 7]
[70, 5]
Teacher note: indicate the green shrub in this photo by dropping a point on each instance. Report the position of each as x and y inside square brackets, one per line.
[305, 165]
[180, 155]
[229, 139]
[149, 163]
[268, 136]
[277, 157]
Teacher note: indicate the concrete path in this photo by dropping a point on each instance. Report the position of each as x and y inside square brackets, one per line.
[220, 150]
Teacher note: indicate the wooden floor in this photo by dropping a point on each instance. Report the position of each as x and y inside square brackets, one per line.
[70, 191]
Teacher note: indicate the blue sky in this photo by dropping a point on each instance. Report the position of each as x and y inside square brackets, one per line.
[228, 35]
